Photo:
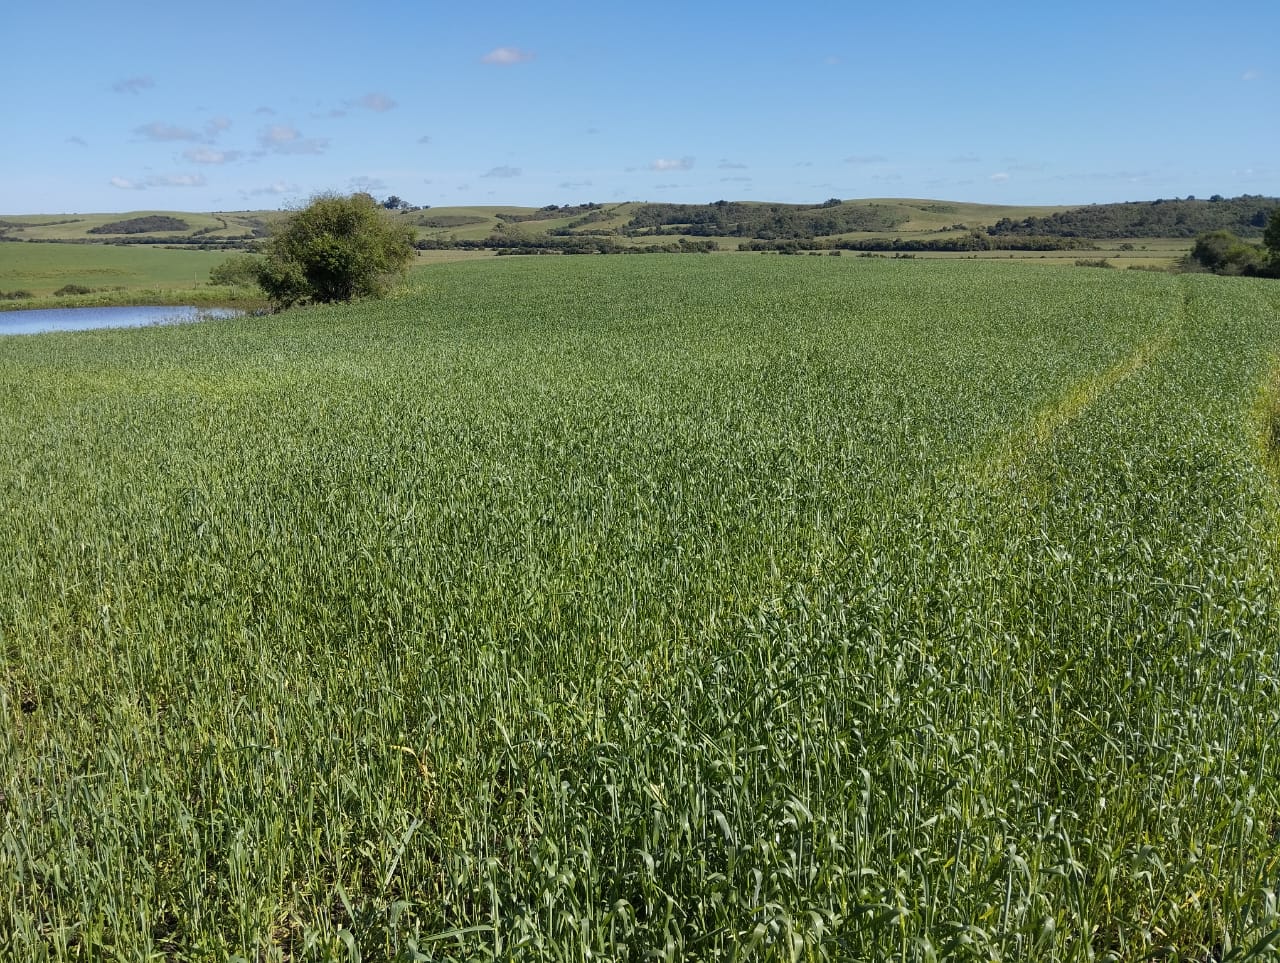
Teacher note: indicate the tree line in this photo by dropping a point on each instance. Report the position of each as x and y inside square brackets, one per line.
[1245, 216]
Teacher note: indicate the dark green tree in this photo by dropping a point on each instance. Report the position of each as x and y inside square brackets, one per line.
[1223, 253]
[1271, 236]
[337, 248]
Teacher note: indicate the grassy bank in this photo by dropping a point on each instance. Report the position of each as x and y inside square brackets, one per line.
[662, 607]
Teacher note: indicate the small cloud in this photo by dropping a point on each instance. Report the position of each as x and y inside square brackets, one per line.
[378, 103]
[740, 179]
[462, 188]
[424, 139]
[1033, 167]
[593, 130]
[886, 177]
[866, 159]
[285, 139]
[833, 61]
[267, 111]
[160, 131]
[668, 164]
[177, 180]
[999, 178]
[369, 185]
[208, 155]
[217, 126]
[804, 163]
[506, 56]
[965, 159]
[728, 165]
[133, 85]
[574, 185]
[1253, 73]
[155, 180]
[277, 187]
[79, 141]
[666, 187]
[502, 172]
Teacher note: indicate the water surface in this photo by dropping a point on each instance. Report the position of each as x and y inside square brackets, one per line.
[38, 321]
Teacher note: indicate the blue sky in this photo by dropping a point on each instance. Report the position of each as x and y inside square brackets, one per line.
[130, 106]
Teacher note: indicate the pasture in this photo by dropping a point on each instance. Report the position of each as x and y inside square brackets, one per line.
[630, 608]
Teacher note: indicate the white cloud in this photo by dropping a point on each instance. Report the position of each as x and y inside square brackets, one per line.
[728, 165]
[668, 164]
[208, 155]
[574, 185]
[378, 103]
[506, 56]
[160, 131]
[157, 180]
[278, 187]
[1000, 178]
[286, 139]
[502, 172]
[1253, 73]
[177, 180]
[133, 85]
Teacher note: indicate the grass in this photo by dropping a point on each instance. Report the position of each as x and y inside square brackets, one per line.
[42, 269]
[649, 608]
[135, 274]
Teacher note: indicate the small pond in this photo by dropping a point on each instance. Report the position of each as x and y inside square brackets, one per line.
[39, 321]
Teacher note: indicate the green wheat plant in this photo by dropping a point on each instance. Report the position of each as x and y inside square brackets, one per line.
[649, 609]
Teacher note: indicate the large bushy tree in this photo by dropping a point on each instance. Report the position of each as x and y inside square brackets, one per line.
[337, 248]
[1271, 237]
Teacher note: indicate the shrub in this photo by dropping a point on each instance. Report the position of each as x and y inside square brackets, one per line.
[335, 249]
[239, 271]
[1223, 253]
[67, 289]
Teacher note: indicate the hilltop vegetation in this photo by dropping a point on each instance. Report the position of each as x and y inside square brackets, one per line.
[761, 221]
[1244, 216]
[149, 224]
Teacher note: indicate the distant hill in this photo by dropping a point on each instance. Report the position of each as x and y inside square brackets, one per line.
[1245, 216]
[872, 224]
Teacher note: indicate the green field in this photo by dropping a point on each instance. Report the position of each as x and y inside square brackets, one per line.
[132, 274]
[631, 608]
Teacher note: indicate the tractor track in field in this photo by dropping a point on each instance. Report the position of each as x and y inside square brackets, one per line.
[1021, 444]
